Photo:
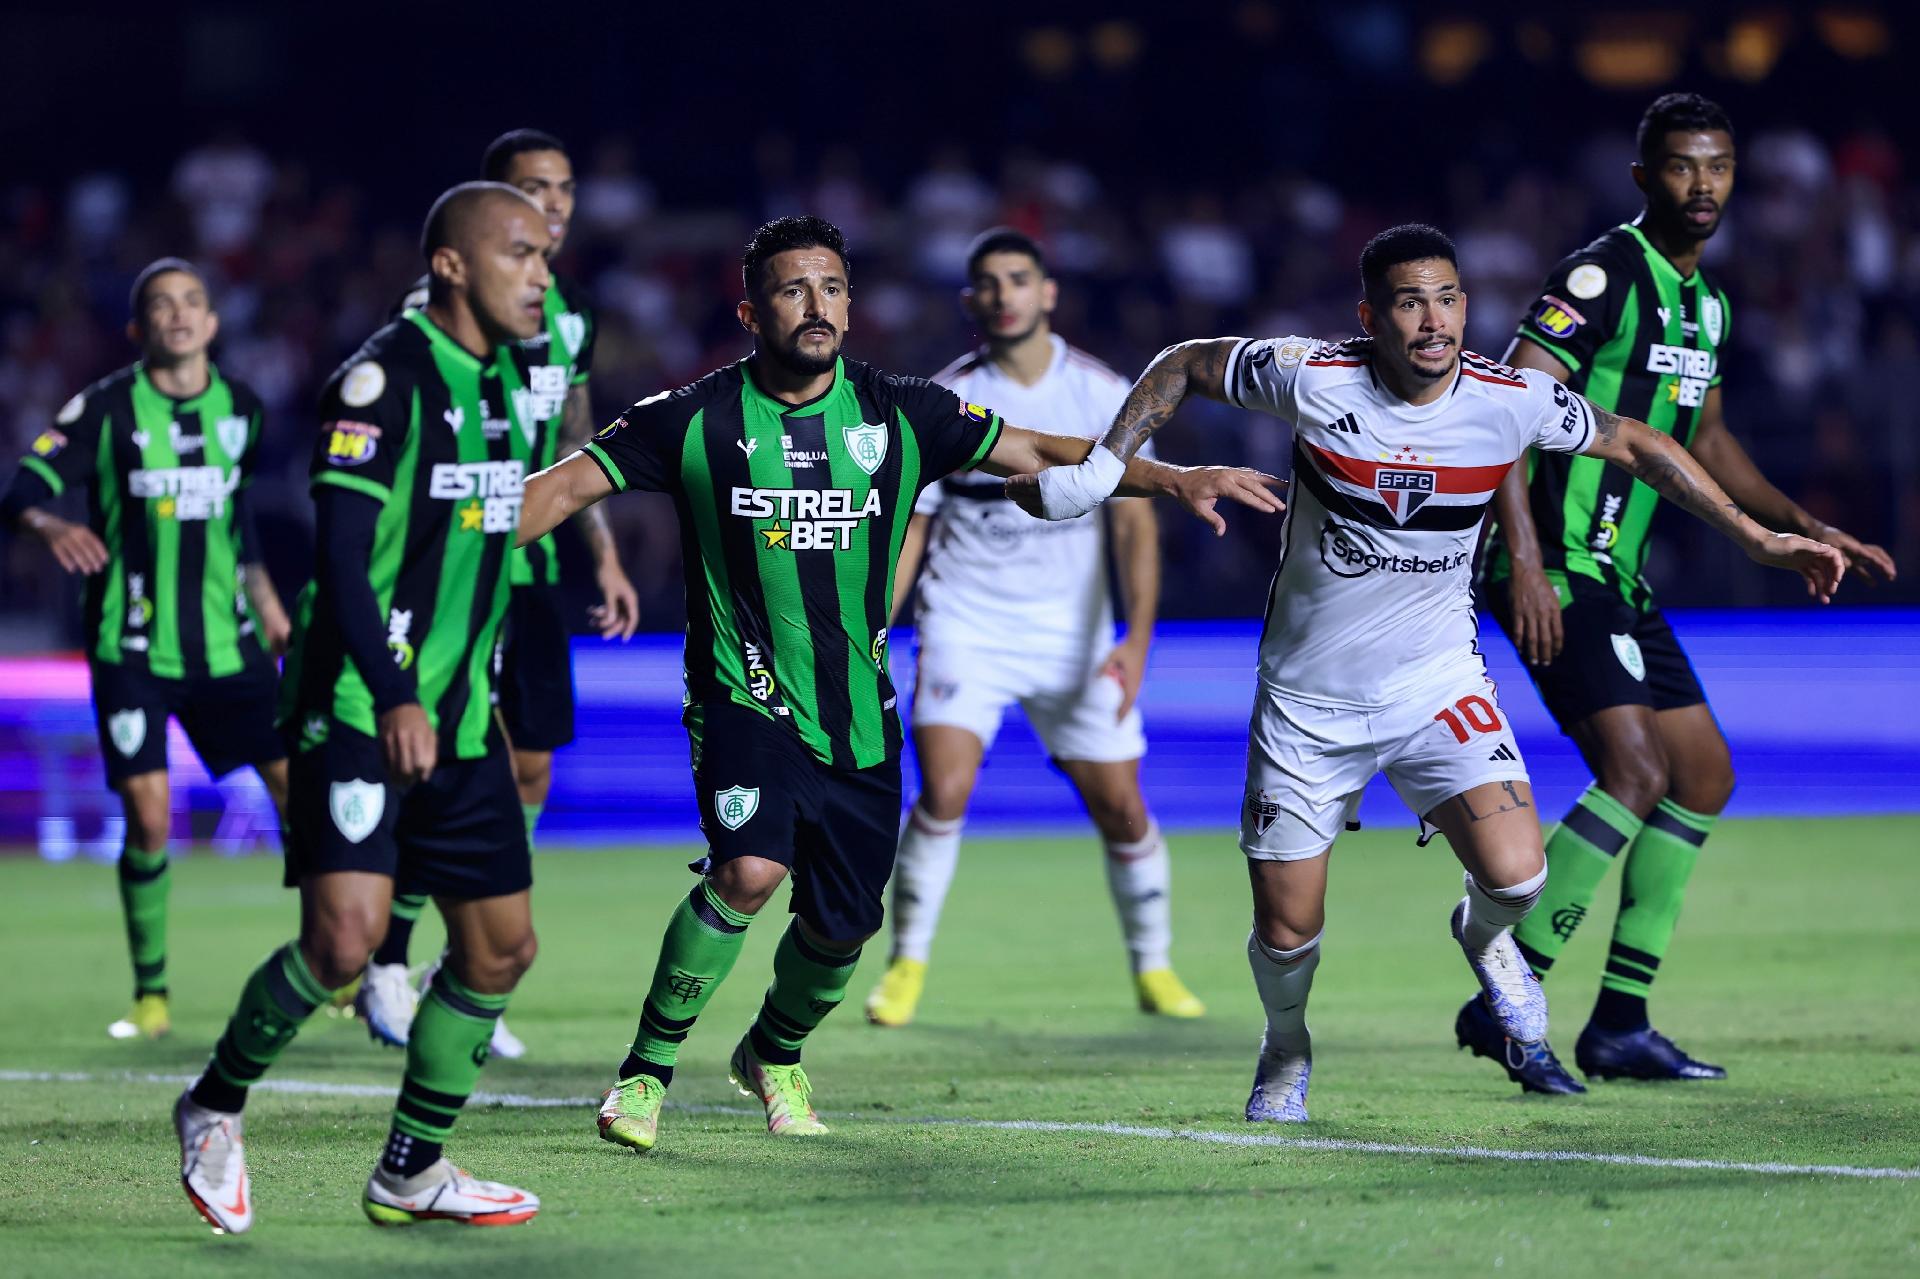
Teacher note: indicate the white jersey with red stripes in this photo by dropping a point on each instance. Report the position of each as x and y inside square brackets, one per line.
[995, 576]
[1373, 597]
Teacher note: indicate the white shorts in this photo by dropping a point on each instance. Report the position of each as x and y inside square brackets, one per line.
[1070, 704]
[1307, 764]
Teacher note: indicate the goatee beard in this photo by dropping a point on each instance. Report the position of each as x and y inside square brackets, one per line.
[794, 360]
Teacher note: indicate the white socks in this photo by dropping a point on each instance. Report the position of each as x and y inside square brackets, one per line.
[1141, 880]
[1492, 911]
[1284, 978]
[922, 873]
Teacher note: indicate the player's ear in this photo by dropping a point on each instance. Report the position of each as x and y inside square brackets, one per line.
[1366, 317]
[1049, 295]
[213, 326]
[1639, 172]
[447, 266]
[134, 333]
[749, 319]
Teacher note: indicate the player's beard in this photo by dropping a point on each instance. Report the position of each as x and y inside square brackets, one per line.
[792, 358]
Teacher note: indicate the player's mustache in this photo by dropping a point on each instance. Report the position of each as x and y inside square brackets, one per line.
[818, 326]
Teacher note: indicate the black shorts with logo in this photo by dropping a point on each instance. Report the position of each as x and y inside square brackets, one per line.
[763, 794]
[458, 834]
[228, 718]
[536, 670]
[1613, 654]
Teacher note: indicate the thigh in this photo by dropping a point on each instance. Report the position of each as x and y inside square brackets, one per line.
[130, 710]
[341, 812]
[1083, 721]
[536, 670]
[1671, 679]
[846, 852]
[1600, 663]
[1306, 766]
[229, 720]
[750, 777]
[949, 761]
[461, 833]
[1495, 832]
[1445, 741]
[964, 688]
[1699, 764]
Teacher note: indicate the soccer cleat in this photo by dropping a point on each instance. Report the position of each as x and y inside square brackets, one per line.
[1159, 991]
[784, 1090]
[147, 1020]
[387, 1002]
[213, 1166]
[1532, 1066]
[444, 1193]
[1280, 1089]
[1636, 1054]
[1514, 996]
[630, 1112]
[504, 1042]
[893, 1001]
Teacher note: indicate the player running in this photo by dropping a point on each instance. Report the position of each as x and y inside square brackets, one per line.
[398, 771]
[794, 473]
[1016, 609]
[1633, 323]
[1368, 661]
[536, 673]
[178, 600]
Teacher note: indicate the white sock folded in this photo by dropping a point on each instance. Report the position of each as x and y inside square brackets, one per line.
[1140, 877]
[922, 872]
[1492, 911]
[1284, 979]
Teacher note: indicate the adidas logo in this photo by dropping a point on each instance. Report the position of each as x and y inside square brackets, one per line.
[1506, 753]
[1347, 425]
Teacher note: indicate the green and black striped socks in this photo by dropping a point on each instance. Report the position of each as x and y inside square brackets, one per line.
[808, 983]
[278, 998]
[401, 917]
[1652, 888]
[704, 937]
[1579, 851]
[144, 884]
[445, 1051]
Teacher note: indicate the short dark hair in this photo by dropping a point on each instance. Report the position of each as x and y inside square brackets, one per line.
[799, 231]
[137, 295]
[1677, 113]
[1003, 239]
[498, 157]
[1408, 242]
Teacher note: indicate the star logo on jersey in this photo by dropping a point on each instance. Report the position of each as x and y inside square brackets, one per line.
[867, 443]
[164, 508]
[356, 807]
[776, 536]
[127, 730]
[472, 516]
[736, 805]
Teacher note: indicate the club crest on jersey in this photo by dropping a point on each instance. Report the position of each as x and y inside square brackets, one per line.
[356, 807]
[867, 444]
[1403, 490]
[573, 331]
[232, 434]
[127, 730]
[1627, 649]
[1263, 810]
[736, 805]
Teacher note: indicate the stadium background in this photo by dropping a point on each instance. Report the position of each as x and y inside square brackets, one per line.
[1210, 170]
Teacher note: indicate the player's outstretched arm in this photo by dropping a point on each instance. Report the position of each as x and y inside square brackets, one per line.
[1660, 463]
[557, 494]
[1536, 619]
[618, 612]
[1028, 457]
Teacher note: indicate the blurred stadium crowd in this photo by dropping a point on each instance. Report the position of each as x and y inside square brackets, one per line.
[1820, 253]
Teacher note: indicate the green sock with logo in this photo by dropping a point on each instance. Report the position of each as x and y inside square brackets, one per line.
[1579, 851]
[276, 1001]
[145, 882]
[808, 983]
[445, 1051]
[704, 937]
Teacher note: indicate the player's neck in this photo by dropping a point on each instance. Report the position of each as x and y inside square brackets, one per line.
[456, 319]
[180, 379]
[789, 386]
[1025, 361]
[1675, 246]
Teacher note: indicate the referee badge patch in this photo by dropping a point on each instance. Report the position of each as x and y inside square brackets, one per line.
[736, 805]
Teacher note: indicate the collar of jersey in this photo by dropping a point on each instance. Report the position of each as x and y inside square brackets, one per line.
[440, 338]
[180, 404]
[1655, 256]
[779, 407]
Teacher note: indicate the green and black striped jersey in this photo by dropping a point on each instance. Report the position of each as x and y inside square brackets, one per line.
[164, 480]
[416, 422]
[791, 519]
[1640, 341]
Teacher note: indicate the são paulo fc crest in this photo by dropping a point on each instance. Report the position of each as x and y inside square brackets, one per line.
[736, 805]
[867, 443]
[356, 807]
[1403, 491]
[127, 730]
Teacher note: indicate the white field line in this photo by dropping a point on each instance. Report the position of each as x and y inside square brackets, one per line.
[1262, 1140]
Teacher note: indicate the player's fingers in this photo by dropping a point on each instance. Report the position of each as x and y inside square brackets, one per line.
[1556, 637]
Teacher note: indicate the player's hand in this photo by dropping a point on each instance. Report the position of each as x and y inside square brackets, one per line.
[278, 631]
[1127, 666]
[408, 740]
[1864, 559]
[1821, 565]
[619, 611]
[1024, 492]
[76, 548]
[1537, 630]
[1199, 488]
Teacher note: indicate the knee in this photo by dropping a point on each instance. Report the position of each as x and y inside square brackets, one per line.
[337, 956]
[1706, 789]
[533, 773]
[746, 883]
[149, 819]
[945, 798]
[1120, 815]
[501, 966]
[1637, 778]
[1287, 928]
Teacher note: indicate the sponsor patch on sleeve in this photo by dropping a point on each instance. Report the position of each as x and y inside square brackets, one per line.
[49, 444]
[1587, 281]
[362, 384]
[70, 411]
[611, 429]
[1556, 318]
[976, 412]
[351, 443]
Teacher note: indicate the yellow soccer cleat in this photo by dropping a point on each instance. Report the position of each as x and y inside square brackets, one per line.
[630, 1112]
[1163, 993]
[784, 1090]
[893, 1001]
[147, 1020]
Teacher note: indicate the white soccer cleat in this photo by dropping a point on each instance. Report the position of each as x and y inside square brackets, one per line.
[213, 1166]
[1280, 1089]
[387, 1002]
[445, 1193]
[1514, 996]
[505, 1043]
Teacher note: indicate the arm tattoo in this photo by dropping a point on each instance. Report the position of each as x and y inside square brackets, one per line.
[1198, 365]
[1605, 425]
[576, 425]
[1660, 470]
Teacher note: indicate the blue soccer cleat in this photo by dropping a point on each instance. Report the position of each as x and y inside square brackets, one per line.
[1513, 993]
[1636, 1054]
[1280, 1089]
[1532, 1066]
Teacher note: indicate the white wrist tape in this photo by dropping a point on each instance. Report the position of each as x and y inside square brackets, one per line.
[1069, 491]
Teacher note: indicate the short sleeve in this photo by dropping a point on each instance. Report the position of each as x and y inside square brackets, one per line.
[953, 435]
[366, 410]
[1577, 310]
[640, 449]
[1553, 418]
[67, 452]
[1262, 373]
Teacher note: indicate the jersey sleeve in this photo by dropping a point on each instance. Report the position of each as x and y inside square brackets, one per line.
[1263, 372]
[67, 452]
[1578, 309]
[366, 410]
[640, 449]
[1553, 418]
[953, 435]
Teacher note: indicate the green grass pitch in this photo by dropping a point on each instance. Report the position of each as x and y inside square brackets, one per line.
[1797, 966]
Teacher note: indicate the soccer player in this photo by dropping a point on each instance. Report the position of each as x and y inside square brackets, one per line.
[1368, 662]
[1633, 323]
[178, 600]
[794, 473]
[1016, 609]
[398, 771]
[536, 672]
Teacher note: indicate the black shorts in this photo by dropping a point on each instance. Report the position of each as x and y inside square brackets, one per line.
[1613, 654]
[458, 834]
[763, 794]
[229, 719]
[536, 670]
